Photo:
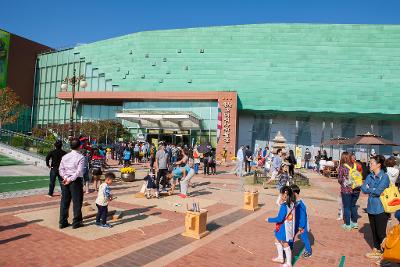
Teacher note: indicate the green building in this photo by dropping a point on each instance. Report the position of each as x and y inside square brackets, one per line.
[311, 82]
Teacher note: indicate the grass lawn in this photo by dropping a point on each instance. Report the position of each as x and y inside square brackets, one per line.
[6, 161]
[16, 183]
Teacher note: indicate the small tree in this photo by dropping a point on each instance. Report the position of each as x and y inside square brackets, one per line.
[9, 106]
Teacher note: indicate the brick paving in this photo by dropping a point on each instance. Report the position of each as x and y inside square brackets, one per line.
[233, 241]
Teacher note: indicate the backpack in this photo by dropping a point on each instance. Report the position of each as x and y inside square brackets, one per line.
[391, 245]
[355, 177]
[127, 154]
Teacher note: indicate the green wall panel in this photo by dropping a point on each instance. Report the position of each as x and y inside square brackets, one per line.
[279, 67]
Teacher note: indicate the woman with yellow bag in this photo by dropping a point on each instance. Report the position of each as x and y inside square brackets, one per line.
[374, 185]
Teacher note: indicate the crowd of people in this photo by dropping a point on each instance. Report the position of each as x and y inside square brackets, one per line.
[172, 165]
[169, 166]
[355, 177]
[354, 180]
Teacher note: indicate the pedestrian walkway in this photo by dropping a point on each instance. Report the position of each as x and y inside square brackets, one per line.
[149, 233]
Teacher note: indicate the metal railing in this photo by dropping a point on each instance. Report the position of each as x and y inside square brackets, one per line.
[27, 143]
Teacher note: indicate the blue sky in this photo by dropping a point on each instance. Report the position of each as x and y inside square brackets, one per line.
[65, 23]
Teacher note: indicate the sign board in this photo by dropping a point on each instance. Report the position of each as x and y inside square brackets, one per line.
[4, 48]
[298, 157]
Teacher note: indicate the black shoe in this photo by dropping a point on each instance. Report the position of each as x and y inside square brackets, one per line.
[62, 226]
[79, 225]
[306, 255]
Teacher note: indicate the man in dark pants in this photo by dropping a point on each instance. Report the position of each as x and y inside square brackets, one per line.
[161, 166]
[72, 170]
[248, 159]
[55, 157]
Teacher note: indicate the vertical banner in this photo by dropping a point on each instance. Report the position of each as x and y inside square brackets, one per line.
[155, 142]
[298, 157]
[4, 48]
[219, 123]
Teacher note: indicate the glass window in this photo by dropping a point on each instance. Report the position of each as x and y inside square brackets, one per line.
[386, 131]
[304, 132]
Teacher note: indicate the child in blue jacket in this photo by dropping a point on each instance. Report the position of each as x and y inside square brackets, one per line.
[284, 229]
[301, 224]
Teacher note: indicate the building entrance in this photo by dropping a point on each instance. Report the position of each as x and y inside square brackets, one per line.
[171, 137]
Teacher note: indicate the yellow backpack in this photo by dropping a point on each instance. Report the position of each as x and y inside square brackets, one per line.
[355, 177]
[391, 245]
[390, 199]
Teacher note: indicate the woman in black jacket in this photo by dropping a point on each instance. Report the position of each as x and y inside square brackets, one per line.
[292, 160]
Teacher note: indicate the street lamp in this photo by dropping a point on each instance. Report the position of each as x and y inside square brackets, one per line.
[73, 81]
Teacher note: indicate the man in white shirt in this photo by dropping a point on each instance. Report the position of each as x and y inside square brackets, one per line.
[71, 171]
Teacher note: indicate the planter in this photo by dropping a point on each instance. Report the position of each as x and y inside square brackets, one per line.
[128, 177]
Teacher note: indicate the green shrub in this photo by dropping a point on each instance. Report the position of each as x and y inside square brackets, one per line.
[18, 141]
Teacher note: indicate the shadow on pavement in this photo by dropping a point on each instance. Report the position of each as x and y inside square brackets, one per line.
[366, 231]
[13, 238]
[18, 225]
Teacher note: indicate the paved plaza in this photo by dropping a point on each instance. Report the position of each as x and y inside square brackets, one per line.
[149, 233]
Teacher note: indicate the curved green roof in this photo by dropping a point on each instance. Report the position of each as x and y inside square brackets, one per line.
[279, 67]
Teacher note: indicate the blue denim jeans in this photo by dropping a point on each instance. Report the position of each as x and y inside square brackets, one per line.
[306, 240]
[196, 168]
[306, 165]
[349, 207]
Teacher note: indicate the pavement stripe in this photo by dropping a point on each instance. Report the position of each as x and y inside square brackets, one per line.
[166, 246]
[342, 260]
[30, 207]
[179, 253]
[26, 181]
[148, 242]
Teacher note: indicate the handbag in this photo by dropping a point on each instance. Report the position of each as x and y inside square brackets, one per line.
[391, 245]
[288, 217]
[390, 199]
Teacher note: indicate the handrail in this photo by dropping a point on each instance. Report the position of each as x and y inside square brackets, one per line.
[24, 136]
[31, 145]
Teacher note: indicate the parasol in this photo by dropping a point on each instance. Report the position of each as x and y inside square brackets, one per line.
[338, 141]
[370, 139]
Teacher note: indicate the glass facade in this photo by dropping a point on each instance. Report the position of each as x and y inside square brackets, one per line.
[51, 70]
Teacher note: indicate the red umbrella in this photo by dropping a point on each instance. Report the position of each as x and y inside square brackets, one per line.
[370, 139]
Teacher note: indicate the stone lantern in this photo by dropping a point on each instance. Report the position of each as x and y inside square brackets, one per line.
[279, 142]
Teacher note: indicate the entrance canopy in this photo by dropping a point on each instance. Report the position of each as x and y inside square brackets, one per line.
[155, 119]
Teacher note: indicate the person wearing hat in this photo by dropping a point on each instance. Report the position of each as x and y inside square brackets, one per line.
[55, 157]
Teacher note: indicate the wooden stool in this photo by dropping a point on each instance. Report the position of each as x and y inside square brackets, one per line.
[195, 224]
[250, 201]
